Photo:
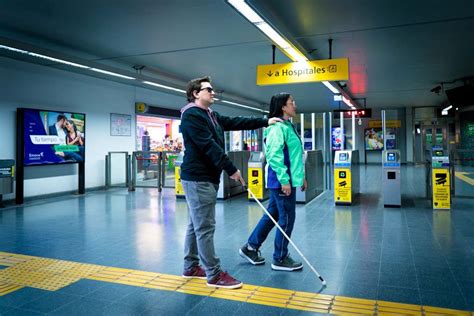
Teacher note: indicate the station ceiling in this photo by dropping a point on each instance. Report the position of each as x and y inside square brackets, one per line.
[398, 50]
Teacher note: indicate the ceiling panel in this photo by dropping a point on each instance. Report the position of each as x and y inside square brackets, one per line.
[398, 50]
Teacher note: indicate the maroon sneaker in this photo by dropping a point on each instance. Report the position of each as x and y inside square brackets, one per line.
[224, 280]
[195, 272]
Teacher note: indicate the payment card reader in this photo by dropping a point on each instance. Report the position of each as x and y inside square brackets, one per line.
[391, 185]
[346, 176]
[440, 179]
[256, 176]
[178, 188]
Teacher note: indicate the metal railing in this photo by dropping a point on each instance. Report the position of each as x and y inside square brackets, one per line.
[108, 169]
[463, 172]
[153, 169]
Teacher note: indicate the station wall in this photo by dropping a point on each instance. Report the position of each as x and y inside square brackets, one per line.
[34, 86]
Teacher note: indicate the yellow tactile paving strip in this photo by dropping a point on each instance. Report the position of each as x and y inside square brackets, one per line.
[51, 274]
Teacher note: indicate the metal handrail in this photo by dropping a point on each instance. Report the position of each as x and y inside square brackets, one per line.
[108, 169]
[163, 173]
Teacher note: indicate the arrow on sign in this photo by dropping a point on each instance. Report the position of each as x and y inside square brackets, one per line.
[270, 73]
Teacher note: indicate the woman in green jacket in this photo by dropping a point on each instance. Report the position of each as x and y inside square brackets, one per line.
[284, 155]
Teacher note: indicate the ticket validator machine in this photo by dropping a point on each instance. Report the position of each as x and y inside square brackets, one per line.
[256, 176]
[391, 178]
[178, 186]
[346, 176]
[314, 173]
[440, 179]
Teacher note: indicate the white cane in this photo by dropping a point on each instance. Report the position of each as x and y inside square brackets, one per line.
[288, 238]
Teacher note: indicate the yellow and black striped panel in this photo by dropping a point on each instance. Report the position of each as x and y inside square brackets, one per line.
[51, 274]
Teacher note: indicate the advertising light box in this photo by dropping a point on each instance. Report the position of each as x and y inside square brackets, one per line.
[336, 138]
[53, 137]
[374, 138]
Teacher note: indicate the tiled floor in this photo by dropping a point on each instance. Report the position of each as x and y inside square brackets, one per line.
[410, 255]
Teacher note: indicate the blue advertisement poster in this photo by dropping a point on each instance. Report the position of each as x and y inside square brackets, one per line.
[336, 138]
[308, 140]
[391, 134]
[53, 137]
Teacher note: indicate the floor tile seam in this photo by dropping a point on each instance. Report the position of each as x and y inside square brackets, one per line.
[380, 264]
[41, 297]
[449, 266]
[413, 260]
[346, 264]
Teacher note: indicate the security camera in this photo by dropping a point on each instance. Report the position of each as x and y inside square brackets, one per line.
[436, 89]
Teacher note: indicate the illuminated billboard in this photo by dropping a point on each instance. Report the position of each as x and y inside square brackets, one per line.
[53, 137]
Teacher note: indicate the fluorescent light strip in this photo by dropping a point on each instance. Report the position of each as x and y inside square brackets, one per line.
[61, 61]
[348, 102]
[295, 54]
[13, 49]
[246, 11]
[273, 35]
[254, 18]
[110, 73]
[244, 106]
[163, 86]
[56, 60]
[330, 87]
[280, 41]
[448, 108]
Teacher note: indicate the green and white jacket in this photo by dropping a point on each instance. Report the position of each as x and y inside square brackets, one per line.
[284, 155]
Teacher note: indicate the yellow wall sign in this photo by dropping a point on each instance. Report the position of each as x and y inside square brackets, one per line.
[178, 189]
[389, 123]
[342, 186]
[140, 107]
[256, 182]
[441, 189]
[304, 71]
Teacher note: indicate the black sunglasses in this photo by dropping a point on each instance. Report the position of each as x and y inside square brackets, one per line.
[209, 89]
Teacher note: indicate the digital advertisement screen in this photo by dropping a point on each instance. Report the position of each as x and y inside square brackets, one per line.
[336, 138]
[391, 134]
[53, 137]
[373, 139]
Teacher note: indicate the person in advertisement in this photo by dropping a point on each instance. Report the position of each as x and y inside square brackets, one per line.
[204, 159]
[68, 134]
[284, 155]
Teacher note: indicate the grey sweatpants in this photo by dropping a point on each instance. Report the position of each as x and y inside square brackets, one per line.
[199, 240]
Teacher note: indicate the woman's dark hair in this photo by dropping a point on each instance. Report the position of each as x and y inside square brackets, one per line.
[73, 125]
[277, 103]
[194, 85]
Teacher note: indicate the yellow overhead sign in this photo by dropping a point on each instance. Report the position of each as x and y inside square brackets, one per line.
[303, 71]
[389, 123]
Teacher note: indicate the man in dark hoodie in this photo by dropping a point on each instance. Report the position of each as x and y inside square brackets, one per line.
[204, 160]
